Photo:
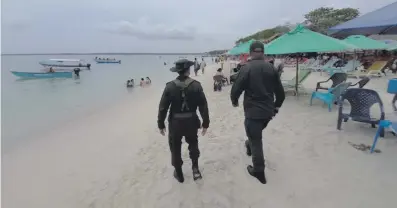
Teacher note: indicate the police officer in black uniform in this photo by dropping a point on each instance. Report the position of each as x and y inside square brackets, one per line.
[261, 83]
[183, 96]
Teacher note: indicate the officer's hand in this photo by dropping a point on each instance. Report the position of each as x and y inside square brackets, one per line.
[203, 132]
[162, 131]
[275, 111]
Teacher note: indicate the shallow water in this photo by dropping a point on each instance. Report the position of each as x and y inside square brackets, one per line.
[31, 107]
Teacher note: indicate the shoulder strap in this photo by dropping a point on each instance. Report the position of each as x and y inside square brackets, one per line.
[182, 86]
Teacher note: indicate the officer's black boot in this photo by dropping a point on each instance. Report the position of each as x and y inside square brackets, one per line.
[258, 175]
[248, 147]
[196, 172]
[178, 175]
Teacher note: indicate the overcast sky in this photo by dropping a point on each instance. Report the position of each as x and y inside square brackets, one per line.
[51, 26]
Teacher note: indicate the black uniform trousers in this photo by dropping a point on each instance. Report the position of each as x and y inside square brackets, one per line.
[253, 129]
[178, 128]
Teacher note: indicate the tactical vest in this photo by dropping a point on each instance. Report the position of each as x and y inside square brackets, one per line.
[183, 85]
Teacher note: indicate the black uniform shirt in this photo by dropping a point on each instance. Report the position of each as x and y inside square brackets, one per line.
[261, 83]
[172, 97]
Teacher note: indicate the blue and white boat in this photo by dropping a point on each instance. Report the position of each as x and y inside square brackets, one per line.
[107, 61]
[35, 75]
[65, 63]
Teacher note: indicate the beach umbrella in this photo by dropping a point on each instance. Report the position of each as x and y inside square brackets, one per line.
[392, 48]
[242, 48]
[303, 40]
[234, 50]
[380, 21]
[365, 43]
[245, 47]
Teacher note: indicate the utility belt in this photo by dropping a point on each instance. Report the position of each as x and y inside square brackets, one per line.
[184, 115]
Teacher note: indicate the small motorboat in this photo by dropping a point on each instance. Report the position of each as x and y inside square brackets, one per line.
[34, 75]
[107, 61]
[65, 63]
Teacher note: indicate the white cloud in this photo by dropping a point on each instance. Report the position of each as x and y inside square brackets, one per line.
[143, 29]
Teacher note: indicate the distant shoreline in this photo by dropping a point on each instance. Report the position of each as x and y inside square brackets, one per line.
[32, 54]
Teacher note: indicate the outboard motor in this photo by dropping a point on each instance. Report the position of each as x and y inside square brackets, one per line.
[76, 72]
[88, 66]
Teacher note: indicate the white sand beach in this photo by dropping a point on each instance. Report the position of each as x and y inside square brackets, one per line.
[117, 158]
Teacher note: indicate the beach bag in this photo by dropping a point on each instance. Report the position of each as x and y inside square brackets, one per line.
[183, 85]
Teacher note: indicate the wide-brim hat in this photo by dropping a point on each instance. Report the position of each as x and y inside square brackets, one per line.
[181, 65]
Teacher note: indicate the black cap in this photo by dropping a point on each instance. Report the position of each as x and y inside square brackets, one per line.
[257, 46]
[181, 65]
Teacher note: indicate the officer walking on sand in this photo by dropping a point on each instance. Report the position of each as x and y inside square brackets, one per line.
[183, 96]
[261, 82]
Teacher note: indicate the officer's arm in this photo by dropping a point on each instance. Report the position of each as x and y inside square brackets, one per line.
[278, 91]
[163, 108]
[239, 85]
[203, 107]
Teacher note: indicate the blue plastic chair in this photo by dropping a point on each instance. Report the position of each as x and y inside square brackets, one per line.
[382, 125]
[331, 96]
[392, 89]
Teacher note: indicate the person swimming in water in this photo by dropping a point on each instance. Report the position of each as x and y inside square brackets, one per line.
[142, 83]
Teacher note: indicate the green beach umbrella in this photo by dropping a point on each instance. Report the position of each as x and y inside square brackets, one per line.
[303, 40]
[234, 50]
[242, 48]
[392, 48]
[364, 43]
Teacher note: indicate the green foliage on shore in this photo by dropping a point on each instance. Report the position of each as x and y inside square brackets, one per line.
[265, 34]
[217, 52]
[323, 18]
[318, 20]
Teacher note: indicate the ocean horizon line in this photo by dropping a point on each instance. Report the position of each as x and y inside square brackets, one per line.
[119, 53]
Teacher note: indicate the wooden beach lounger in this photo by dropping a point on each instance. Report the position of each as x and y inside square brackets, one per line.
[374, 70]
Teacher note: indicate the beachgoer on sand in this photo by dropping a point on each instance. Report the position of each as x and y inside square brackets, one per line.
[196, 66]
[203, 65]
[261, 82]
[183, 96]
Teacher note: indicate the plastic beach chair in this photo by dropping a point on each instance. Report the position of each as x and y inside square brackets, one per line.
[331, 96]
[289, 85]
[361, 100]
[383, 124]
[336, 79]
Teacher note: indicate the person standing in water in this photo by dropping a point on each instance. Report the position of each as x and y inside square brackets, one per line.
[183, 96]
[261, 83]
[142, 83]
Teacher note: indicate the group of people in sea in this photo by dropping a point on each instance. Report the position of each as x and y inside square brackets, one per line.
[143, 82]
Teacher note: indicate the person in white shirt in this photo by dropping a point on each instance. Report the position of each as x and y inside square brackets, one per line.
[203, 65]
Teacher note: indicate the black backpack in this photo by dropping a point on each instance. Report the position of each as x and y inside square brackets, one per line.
[183, 85]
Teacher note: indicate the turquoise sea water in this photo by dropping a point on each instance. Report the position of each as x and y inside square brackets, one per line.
[30, 107]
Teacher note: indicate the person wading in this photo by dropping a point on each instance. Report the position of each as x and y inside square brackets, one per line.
[261, 82]
[183, 96]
